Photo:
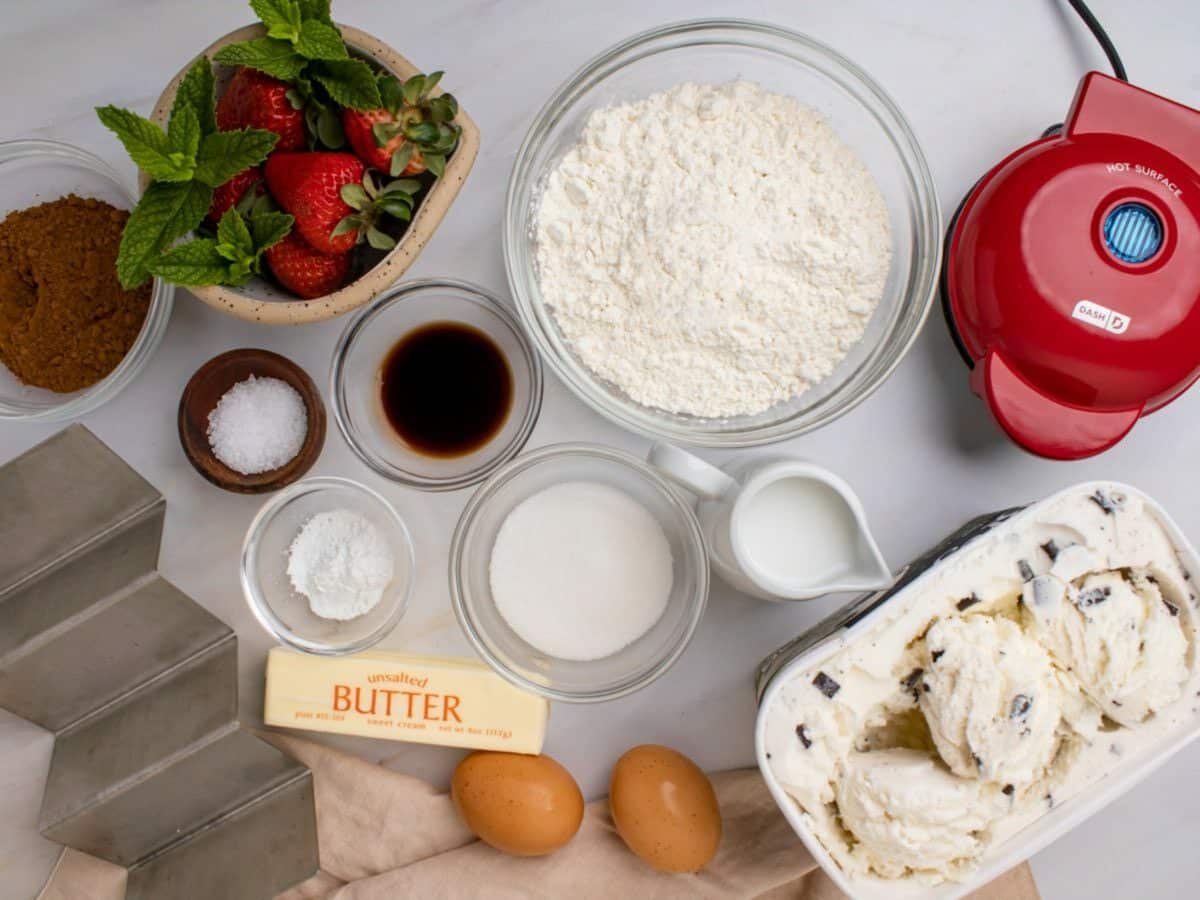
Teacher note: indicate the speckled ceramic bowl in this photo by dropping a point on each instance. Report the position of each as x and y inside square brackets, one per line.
[262, 301]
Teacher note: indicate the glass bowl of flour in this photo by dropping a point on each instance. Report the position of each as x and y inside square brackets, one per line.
[577, 572]
[722, 233]
[327, 566]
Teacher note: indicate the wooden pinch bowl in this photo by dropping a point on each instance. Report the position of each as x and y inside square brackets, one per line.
[206, 388]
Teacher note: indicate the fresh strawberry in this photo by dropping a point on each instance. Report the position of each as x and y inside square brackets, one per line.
[309, 186]
[412, 131]
[228, 195]
[256, 100]
[304, 271]
[335, 201]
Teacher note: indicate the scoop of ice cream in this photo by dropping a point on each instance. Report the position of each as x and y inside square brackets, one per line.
[992, 699]
[908, 813]
[1117, 634]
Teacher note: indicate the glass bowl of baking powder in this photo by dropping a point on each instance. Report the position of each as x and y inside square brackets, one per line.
[769, 64]
[270, 546]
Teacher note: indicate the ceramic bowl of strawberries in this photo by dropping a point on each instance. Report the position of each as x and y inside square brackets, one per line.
[293, 170]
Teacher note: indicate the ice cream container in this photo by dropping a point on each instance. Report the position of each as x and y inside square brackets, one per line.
[1084, 789]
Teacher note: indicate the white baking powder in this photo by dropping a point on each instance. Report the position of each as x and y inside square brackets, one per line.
[341, 562]
[712, 249]
[258, 425]
[581, 570]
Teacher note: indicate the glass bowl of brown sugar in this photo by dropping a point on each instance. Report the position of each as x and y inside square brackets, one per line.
[70, 337]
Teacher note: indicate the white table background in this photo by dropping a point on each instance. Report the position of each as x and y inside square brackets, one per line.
[975, 79]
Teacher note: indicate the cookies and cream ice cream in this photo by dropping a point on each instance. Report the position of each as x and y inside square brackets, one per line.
[1117, 634]
[1005, 680]
[992, 699]
[906, 811]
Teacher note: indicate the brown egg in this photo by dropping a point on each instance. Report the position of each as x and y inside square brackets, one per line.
[523, 805]
[665, 809]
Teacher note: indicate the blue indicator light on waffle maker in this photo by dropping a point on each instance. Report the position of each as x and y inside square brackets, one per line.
[1133, 232]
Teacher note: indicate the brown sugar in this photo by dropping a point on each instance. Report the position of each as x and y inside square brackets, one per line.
[65, 320]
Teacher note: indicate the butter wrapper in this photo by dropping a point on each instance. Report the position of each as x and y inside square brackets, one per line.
[423, 700]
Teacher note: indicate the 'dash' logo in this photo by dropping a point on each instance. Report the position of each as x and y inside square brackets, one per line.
[1101, 317]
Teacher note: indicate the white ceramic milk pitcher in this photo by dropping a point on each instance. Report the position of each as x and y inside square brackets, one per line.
[779, 528]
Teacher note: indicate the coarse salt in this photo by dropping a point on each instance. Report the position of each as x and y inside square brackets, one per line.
[258, 425]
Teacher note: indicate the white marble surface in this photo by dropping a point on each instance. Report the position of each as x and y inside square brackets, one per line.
[976, 80]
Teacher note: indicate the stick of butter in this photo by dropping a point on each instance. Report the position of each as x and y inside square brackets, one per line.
[452, 702]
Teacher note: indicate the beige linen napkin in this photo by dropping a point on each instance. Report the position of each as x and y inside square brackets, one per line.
[384, 835]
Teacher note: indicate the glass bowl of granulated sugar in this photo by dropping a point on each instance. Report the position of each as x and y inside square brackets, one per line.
[578, 573]
[327, 566]
[722, 233]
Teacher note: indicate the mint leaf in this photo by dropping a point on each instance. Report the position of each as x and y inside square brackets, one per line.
[193, 264]
[147, 144]
[196, 90]
[282, 17]
[350, 82]
[275, 57]
[232, 232]
[320, 41]
[269, 228]
[317, 10]
[183, 134]
[166, 211]
[224, 154]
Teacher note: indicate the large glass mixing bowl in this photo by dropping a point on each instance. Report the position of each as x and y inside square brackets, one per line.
[866, 119]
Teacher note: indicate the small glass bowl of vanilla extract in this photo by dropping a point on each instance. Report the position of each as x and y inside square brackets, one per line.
[435, 385]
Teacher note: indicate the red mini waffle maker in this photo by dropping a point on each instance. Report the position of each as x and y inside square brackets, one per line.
[1071, 275]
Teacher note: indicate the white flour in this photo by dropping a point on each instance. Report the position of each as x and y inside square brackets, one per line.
[341, 563]
[581, 570]
[712, 249]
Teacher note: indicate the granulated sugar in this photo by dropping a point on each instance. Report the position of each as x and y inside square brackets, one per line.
[258, 425]
[581, 570]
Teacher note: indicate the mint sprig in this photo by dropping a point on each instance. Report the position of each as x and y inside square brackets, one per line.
[186, 161]
[303, 44]
[232, 257]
